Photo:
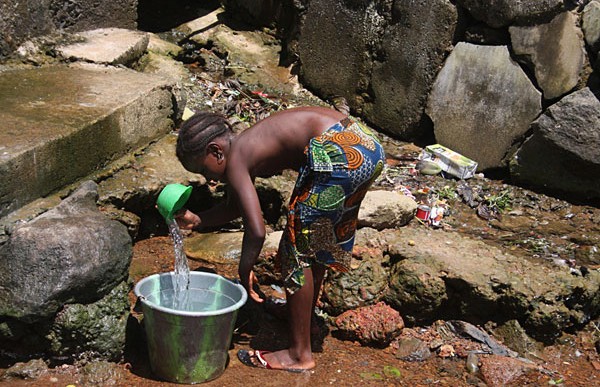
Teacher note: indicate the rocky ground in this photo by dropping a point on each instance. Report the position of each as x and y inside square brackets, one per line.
[572, 361]
[528, 224]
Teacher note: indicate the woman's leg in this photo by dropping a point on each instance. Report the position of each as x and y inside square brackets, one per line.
[300, 311]
[281, 310]
[318, 273]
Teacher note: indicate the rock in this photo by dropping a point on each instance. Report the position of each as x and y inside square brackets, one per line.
[166, 67]
[274, 194]
[562, 156]
[386, 209]
[162, 47]
[96, 330]
[480, 112]
[472, 363]
[102, 373]
[514, 336]
[391, 56]
[66, 291]
[446, 275]
[500, 370]
[128, 219]
[107, 46]
[553, 51]
[375, 325]
[250, 58]
[363, 285]
[70, 254]
[215, 247]
[412, 48]
[29, 370]
[417, 290]
[590, 23]
[502, 13]
[412, 349]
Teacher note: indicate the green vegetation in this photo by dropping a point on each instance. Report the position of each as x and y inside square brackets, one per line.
[499, 202]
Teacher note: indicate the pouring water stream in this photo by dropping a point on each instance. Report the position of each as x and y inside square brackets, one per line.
[181, 292]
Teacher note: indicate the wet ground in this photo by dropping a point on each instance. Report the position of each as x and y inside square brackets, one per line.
[573, 361]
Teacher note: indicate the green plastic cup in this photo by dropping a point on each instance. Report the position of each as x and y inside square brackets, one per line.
[172, 198]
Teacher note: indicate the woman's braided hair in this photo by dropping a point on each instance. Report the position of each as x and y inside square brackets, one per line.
[197, 131]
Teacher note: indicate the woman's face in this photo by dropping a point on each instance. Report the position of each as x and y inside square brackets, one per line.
[211, 164]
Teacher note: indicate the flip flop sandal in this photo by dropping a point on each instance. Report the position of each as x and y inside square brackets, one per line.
[256, 360]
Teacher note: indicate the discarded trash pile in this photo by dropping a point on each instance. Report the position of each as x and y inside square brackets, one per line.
[242, 104]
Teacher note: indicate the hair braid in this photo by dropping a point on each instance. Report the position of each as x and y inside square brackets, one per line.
[197, 131]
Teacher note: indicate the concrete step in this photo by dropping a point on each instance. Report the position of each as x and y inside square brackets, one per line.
[60, 123]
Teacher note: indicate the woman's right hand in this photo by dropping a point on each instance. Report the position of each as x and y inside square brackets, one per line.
[186, 219]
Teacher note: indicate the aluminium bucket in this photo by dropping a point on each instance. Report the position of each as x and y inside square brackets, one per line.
[189, 346]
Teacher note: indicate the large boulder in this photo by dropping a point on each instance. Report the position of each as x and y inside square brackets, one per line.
[500, 13]
[563, 153]
[381, 60]
[430, 274]
[553, 51]
[481, 102]
[95, 330]
[411, 50]
[437, 274]
[363, 285]
[64, 288]
[590, 23]
[333, 46]
[70, 254]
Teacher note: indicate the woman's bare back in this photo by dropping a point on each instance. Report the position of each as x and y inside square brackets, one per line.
[278, 142]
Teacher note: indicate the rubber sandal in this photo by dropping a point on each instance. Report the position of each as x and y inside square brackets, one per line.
[256, 360]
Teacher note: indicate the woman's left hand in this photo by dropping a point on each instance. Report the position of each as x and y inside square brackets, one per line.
[249, 281]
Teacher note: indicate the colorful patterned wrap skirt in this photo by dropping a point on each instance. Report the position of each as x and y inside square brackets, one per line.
[342, 163]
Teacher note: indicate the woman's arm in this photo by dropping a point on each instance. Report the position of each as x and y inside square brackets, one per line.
[243, 190]
[220, 214]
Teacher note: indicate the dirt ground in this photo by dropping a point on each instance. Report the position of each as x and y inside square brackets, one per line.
[572, 362]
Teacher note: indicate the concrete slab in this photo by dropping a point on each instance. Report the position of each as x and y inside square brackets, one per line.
[61, 123]
[107, 45]
[251, 56]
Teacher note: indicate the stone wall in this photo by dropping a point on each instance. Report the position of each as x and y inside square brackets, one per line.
[471, 75]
